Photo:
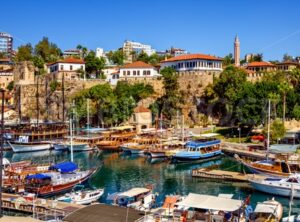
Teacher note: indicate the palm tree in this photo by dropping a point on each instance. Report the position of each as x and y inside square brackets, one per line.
[284, 87]
[274, 97]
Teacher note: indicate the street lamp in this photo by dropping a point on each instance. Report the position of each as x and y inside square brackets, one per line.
[1, 150]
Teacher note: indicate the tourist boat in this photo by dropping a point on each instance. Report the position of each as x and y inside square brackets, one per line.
[60, 146]
[137, 198]
[82, 196]
[199, 207]
[268, 167]
[133, 148]
[269, 210]
[199, 149]
[165, 149]
[22, 144]
[168, 207]
[287, 187]
[79, 146]
[63, 178]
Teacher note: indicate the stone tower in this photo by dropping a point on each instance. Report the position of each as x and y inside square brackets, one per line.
[237, 51]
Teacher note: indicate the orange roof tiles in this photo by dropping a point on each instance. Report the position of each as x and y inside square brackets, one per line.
[141, 109]
[192, 56]
[68, 60]
[137, 64]
[260, 64]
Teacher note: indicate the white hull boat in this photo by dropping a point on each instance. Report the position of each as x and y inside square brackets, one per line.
[78, 147]
[269, 210]
[82, 197]
[60, 147]
[288, 187]
[19, 147]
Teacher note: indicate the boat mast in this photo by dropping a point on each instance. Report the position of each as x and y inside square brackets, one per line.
[71, 133]
[37, 101]
[268, 136]
[88, 115]
[63, 97]
[182, 128]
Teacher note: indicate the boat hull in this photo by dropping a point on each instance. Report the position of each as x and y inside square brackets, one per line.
[131, 150]
[60, 147]
[276, 190]
[31, 147]
[49, 191]
[79, 147]
[191, 156]
[157, 154]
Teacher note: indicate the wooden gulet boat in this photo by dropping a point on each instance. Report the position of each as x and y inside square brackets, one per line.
[62, 179]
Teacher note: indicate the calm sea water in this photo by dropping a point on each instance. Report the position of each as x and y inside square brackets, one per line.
[120, 172]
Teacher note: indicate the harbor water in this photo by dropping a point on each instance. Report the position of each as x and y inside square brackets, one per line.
[119, 172]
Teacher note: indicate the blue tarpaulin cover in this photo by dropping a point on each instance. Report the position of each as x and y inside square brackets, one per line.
[65, 167]
[38, 176]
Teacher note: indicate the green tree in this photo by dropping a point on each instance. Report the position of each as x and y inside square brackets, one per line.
[24, 53]
[94, 64]
[10, 86]
[277, 130]
[228, 60]
[117, 57]
[284, 87]
[47, 50]
[296, 112]
[287, 58]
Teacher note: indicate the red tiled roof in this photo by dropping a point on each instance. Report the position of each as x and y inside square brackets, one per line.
[137, 64]
[141, 109]
[5, 60]
[260, 64]
[288, 63]
[68, 60]
[191, 56]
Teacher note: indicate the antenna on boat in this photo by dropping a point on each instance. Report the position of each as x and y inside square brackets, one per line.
[88, 116]
[268, 136]
[71, 134]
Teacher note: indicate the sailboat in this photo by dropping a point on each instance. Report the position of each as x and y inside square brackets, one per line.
[268, 167]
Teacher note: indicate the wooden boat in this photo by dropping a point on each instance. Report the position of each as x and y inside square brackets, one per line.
[82, 196]
[199, 149]
[114, 141]
[24, 145]
[137, 198]
[280, 167]
[165, 149]
[267, 211]
[133, 148]
[287, 187]
[62, 179]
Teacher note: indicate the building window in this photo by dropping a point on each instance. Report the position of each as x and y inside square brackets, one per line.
[144, 72]
[81, 67]
[61, 67]
[134, 72]
[71, 67]
[138, 72]
[148, 72]
[128, 73]
[124, 73]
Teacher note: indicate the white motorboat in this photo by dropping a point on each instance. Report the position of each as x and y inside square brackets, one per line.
[24, 145]
[79, 146]
[138, 198]
[82, 196]
[288, 187]
[60, 147]
[269, 210]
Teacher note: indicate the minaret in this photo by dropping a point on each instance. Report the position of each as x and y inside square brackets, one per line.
[237, 51]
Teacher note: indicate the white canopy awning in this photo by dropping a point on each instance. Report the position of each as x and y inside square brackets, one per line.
[209, 202]
[134, 192]
[267, 207]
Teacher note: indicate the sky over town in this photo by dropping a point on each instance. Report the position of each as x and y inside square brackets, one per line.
[263, 26]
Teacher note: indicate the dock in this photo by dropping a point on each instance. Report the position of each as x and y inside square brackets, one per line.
[221, 175]
[38, 206]
[247, 151]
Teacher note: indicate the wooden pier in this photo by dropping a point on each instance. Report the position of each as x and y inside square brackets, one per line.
[247, 151]
[221, 175]
[37, 206]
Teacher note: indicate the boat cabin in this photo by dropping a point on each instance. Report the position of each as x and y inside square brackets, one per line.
[198, 207]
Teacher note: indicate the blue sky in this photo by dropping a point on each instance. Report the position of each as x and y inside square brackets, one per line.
[204, 26]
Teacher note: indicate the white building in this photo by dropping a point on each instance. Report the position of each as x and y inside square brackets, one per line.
[68, 67]
[138, 70]
[112, 74]
[137, 47]
[194, 62]
[100, 52]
